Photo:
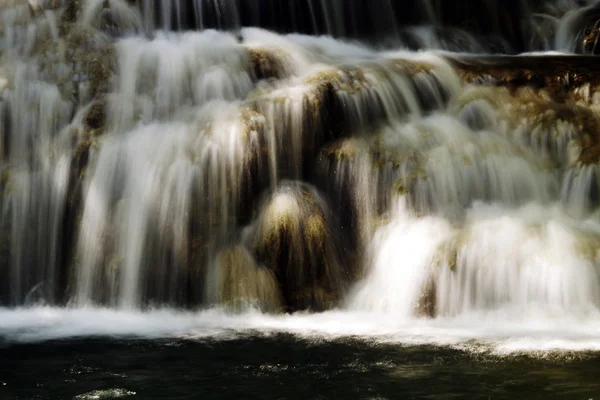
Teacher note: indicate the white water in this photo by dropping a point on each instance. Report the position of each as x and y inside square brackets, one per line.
[521, 265]
[403, 252]
[468, 196]
[496, 332]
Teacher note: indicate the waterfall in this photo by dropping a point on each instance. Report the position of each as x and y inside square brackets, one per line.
[312, 155]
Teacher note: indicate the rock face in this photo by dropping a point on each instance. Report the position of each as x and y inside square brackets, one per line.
[239, 283]
[560, 75]
[591, 35]
[292, 238]
[547, 92]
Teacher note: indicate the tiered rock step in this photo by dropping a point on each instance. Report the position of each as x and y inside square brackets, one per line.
[560, 74]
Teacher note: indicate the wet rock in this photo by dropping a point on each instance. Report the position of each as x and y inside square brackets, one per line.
[563, 127]
[370, 94]
[580, 192]
[267, 64]
[289, 129]
[350, 179]
[69, 15]
[292, 238]
[426, 305]
[93, 61]
[113, 17]
[82, 63]
[95, 117]
[345, 149]
[559, 75]
[85, 131]
[239, 283]
[591, 36]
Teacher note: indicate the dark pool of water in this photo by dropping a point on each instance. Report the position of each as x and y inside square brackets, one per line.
[284, 367]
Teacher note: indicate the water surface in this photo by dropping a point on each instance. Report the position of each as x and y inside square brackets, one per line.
[285, 366]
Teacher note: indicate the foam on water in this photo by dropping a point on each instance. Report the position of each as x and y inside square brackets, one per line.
[491, 332]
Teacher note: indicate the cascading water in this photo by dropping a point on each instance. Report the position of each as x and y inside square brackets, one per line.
[150, 161]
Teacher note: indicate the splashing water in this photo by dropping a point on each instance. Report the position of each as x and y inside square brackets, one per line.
[215, 179]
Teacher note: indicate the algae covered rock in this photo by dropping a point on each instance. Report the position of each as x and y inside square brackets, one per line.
[87, 127]
[95, 117]
[292, 238]
[563, 129]
[267, 64]
[237, 282]
[94, 62]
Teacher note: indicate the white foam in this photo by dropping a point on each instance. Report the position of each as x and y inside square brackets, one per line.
[497, 332]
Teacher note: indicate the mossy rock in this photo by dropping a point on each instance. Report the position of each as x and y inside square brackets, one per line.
[95, 118]
[410, 67]
[267, 64]
[93, 56]
[241, 283]
[345, 149]
[559, 75]
[291, 237]
[349, 80]
[81, 155]
[253, 122]
[315, 299]
[538, 111]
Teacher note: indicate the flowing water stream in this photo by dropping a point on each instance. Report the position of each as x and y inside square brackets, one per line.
[241, 170]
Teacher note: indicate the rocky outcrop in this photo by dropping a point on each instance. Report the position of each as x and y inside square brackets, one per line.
[550, 94]
[238, 283]
[559, 75]
[292, 238]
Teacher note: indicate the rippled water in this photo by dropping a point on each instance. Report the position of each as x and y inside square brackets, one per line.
[285, 366]
[51, 353]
